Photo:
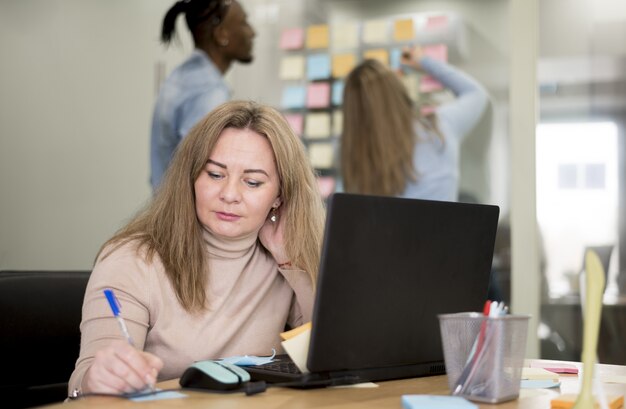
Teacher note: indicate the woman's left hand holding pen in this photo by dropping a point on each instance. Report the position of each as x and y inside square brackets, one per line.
[121, 368]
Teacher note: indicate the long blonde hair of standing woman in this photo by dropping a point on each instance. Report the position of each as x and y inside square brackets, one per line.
[168, 226]
[378, 138]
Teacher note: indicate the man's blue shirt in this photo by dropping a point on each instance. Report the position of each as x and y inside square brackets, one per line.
[190, 92]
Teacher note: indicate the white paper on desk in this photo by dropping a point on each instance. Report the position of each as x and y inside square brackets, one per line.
[297, 348]
[538, 374]
[613, 378]
[357, 385]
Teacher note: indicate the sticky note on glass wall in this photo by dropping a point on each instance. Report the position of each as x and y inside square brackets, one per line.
[292, 67]
[326, 185]
[317, 125]
[337, 93]
[321, 155]
[294, 96]
[436, 51]
[318, 67]
[429, 84]
[403, 30]
[317, 36]
[345, 35]
[395, 58]
[296, 121]
[318, 95]
[379, 54]
[411, 84]
[337, 123]
[375, 32]
[343, 64]
[436, 22]
[292, 39]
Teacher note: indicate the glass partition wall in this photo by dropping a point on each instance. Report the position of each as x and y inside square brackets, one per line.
[575, 162]
[580, 169]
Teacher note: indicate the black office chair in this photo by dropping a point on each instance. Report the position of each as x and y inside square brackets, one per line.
[40, 313]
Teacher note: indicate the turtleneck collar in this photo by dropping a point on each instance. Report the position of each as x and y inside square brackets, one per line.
[224, 248]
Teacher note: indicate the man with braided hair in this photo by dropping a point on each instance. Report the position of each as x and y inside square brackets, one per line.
[221, 35]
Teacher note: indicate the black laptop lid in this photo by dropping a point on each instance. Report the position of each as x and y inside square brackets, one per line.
[388, 267]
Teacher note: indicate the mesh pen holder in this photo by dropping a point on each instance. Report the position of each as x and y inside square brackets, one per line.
[484, 355]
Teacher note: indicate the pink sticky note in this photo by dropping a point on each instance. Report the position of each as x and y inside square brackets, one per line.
[296, 121]
[436, 51]
[292, 39]
[429, 84]
[435, 22]
[326, 185]
[556, 367]
[318, 95]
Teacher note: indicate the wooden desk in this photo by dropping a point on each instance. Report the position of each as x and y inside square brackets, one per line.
[387, 395]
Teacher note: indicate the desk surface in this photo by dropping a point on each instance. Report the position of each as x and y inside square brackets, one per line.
[387, 395]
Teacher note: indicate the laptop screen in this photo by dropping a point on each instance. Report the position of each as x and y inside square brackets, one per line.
[388, 267]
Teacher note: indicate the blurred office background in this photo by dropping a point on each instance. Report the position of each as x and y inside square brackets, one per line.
[78, 79]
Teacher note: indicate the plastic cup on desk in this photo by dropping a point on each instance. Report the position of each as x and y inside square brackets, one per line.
[484, 355]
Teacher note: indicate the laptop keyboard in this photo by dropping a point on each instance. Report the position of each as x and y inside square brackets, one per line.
[281, 366]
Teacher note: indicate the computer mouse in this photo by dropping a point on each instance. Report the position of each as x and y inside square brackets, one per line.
[214, 375]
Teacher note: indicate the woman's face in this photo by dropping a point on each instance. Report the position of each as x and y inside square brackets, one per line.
[238, 186]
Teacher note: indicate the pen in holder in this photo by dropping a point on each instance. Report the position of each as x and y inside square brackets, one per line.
[484, 354]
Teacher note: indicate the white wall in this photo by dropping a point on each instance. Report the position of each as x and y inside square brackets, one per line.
[77, 85]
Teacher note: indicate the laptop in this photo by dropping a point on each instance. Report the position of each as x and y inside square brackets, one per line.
[388, 267]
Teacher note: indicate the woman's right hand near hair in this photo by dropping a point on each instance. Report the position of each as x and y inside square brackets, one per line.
[411, 57]
[121, 368]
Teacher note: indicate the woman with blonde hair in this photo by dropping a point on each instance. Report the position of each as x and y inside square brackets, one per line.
[388, 148]
[218, 263]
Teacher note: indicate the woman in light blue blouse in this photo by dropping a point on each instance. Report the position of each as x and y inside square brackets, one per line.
[388, 148]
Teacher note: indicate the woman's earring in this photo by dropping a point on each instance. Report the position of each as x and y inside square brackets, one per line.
[273, 215]
[224, 42]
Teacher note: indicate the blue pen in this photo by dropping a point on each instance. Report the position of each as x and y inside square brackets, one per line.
[115, 308]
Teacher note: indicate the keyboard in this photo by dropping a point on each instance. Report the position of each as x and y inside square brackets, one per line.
[282, 366]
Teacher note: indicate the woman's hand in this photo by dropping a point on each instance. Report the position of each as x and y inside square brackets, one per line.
[411, 57]
[271, 236]
[121, 368]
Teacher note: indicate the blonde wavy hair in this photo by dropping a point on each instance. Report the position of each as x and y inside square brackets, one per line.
[378, 138]
[168, 226]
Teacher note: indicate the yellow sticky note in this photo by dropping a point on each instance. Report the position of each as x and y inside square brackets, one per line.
[403, 30]
[375, 32]
[321, 155]
[539, 374]
[317, 36]
[317, 125]
[295, 331]
[292, 67]
[411, 84]
[379, 54]
[343, 64]
[297, 347]
[337, 123]
[345, 35]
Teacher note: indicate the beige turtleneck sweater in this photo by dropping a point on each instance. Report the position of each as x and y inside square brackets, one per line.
[250, 301]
